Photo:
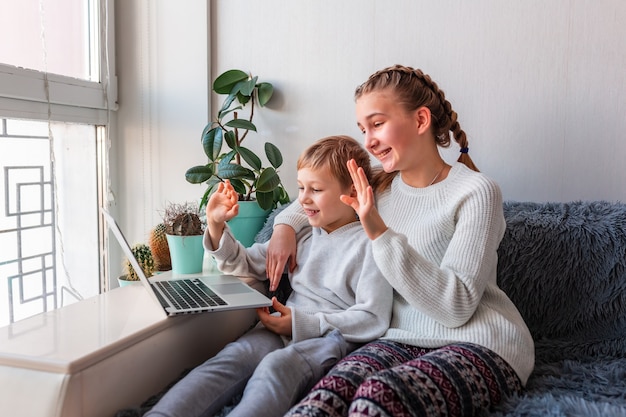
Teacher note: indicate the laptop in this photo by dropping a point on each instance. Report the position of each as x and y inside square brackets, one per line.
[191, 293]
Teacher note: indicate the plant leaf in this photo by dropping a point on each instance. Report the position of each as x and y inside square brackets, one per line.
[223, 113]
[238, 185]
[250, 157]
[266, 90]
[199, 173]
[226, 158]
[246, 88]
[205, 198]
[212, 142]
[225, 82]
[225, 106]
[241, 124]
[268, 180]
[280, 195]
[230, 139]
[235, 91]
[230, 171]
[265, 200]
[213, 181]
[243, 99]
[273, 155]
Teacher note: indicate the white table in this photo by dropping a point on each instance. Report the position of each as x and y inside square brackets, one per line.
[102, 354]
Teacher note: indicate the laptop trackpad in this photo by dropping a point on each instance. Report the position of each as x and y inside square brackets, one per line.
[235, 288]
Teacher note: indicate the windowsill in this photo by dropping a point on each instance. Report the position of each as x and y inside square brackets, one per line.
[74, 337]
[105, 353]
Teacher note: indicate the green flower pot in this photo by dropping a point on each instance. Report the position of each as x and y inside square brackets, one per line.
[122, 281]
[187, 253]
[248, 222]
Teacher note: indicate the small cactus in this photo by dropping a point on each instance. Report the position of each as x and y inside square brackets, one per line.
[160, 249]
[144, 258]
[183, 219]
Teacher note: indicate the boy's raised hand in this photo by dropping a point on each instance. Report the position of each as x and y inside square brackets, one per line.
[221, 207]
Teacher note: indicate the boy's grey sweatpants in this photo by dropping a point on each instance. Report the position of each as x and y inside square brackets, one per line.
[272, 376]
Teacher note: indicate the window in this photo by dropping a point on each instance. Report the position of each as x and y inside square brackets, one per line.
[56, 99]
[54, 37]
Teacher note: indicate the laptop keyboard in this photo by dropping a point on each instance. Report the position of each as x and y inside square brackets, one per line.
[186, 293]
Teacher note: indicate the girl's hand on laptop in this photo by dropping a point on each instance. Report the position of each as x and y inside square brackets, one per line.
[279, 322]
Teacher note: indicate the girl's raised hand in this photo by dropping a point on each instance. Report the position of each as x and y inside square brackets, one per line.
[364, 203]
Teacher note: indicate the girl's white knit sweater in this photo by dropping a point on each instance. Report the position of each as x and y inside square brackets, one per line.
[440, 256]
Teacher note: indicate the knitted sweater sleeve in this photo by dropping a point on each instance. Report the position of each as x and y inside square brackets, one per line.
[443, 268]
[231, 257]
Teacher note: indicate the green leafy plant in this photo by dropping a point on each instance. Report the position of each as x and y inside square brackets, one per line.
[239, 164]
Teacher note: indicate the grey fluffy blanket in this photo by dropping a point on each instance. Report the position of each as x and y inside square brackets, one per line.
[564, 266]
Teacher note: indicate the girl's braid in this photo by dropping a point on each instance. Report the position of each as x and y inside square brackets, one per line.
[442, 137]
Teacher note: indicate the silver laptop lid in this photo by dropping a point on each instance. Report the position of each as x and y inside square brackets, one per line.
[113, 226]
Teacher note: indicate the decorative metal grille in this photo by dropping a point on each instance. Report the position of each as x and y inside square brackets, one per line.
[27, 234]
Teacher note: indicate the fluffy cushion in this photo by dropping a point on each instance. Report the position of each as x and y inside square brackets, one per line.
[593, 388]
[564, 266]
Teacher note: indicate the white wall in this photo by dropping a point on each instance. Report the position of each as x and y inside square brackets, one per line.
[540, 87]
[162, 68]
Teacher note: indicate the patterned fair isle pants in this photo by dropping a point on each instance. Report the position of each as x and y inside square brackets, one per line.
[386, 378]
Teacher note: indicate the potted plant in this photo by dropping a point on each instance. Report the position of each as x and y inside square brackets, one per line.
[159, 248]
[184, 232]
[143, 254]
[253, 181]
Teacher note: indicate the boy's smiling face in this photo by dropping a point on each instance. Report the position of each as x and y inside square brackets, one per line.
[318, 193]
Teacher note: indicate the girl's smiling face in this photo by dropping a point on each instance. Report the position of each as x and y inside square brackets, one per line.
[318, 193]
[389, 130]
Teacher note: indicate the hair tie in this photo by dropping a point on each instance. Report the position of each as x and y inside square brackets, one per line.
[464, 150]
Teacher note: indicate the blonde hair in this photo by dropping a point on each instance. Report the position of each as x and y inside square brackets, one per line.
[333, 152]
[414, 89]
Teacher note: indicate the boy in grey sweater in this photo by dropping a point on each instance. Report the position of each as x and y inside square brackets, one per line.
[339, 298]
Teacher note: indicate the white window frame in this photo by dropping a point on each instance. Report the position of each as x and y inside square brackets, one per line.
[31, 94]
[36, 95]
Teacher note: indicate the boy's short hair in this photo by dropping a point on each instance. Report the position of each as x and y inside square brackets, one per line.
[333, 152]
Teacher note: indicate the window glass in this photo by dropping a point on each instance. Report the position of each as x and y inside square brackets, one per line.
[54, 36]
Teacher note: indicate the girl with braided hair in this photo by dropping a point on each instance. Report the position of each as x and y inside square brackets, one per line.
[456, 344]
